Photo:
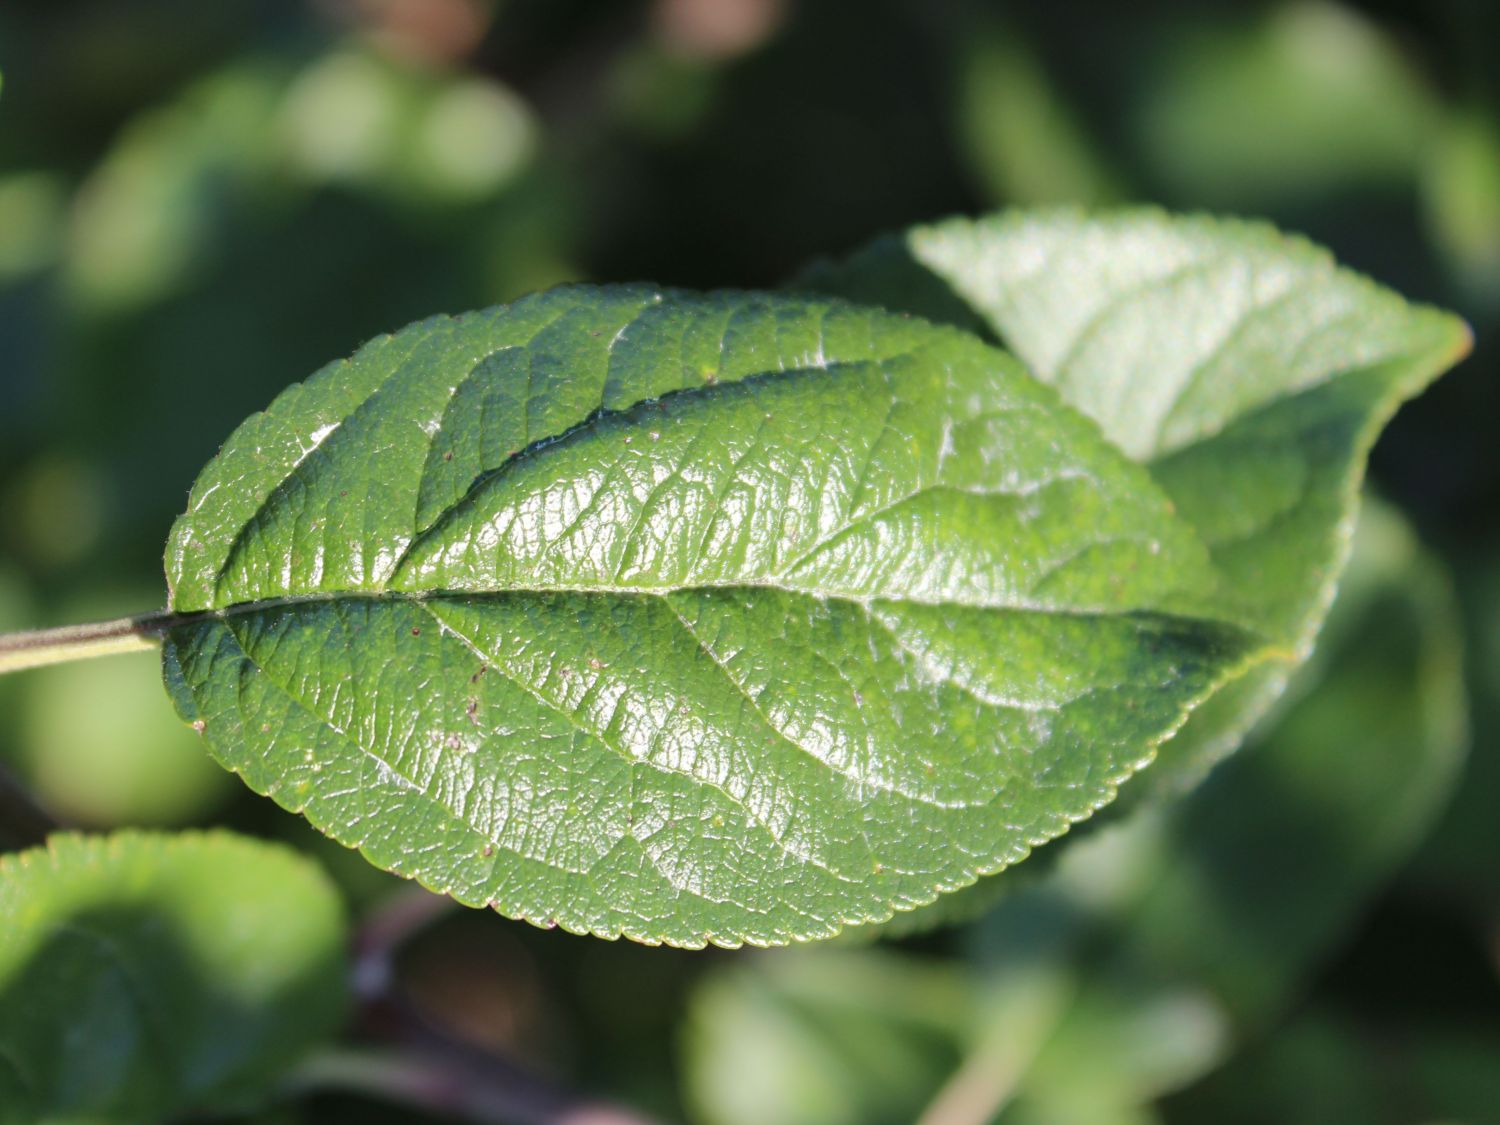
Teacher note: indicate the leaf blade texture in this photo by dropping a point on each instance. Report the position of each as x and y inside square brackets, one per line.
[1245, 368]
[727, 617]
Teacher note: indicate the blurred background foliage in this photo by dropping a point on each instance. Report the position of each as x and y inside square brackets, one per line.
[200, 203]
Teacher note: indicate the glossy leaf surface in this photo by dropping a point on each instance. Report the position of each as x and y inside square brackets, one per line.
[1243, 367]
[144, 976]
[689, 618]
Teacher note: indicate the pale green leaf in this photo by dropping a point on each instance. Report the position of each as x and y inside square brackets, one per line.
[144, 976]
[690, 618]
[1243, 367]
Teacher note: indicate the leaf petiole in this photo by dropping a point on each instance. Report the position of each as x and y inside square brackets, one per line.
[36, 648]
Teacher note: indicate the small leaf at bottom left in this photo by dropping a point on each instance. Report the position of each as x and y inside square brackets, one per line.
[148, 975]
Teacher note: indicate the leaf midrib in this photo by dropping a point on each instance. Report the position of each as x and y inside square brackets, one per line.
[174, 620]
[866, 606]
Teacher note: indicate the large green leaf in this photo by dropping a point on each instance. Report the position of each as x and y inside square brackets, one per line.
[143, 975]
[690, 618]
[1243, 367]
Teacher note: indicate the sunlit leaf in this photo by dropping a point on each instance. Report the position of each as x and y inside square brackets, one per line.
[1243, 367]
[742, 617]
[690, 618]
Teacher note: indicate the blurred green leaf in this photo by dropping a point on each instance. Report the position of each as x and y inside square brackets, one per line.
[101, 747]
[31, 222]
[474, 138]
[1310, 98]
[35, 495]
[807, 1037]
[1023, 141]
[253, 136]
[661, 94]
[143, 976]
[1324, 1067]
[145, 218]
[16, 607]
[1460, 865]
[345, 114]
[1462, 193]
[355, 117]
